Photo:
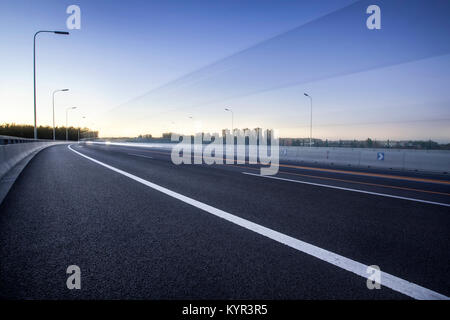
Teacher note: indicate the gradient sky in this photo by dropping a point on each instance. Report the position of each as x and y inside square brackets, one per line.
[139, 67]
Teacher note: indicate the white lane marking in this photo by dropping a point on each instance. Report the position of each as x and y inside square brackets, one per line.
[349, 189]
[140, 155]
[403, 286]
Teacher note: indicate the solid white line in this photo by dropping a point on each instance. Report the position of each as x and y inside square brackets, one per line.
[140, 155]
[388, 280]
[349, 189]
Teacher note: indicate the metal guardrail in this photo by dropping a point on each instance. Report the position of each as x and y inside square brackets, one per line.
[13, 140]
[4, 140]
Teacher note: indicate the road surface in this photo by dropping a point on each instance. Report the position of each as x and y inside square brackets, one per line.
[140, 227]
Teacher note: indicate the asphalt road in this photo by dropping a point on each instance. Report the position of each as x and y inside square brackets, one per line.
[151, 239]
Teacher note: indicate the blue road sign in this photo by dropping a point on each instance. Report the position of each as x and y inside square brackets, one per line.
[380, 156]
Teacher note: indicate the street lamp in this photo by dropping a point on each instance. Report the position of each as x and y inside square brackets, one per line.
[193, 126]
[91, 130]
[232, 118]
[67, 128]
[34, 71]
[310, 127]
[54, 110]
[83, 117]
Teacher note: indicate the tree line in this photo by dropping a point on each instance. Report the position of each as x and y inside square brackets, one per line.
[46, 132]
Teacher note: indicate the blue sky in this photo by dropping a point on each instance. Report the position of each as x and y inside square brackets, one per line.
[194, 58]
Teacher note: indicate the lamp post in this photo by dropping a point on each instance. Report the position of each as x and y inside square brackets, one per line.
[54, 110]
[91, 130]
[34, 71]
[83, 117]
[193, 127]
[67, 128]
[232, 119]
[310, 126]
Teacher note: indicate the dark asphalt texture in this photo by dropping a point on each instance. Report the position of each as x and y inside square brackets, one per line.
[133, 242]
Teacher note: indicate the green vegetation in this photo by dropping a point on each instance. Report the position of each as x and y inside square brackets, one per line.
[27, 131]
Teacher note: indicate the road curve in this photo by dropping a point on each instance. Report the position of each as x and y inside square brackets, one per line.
[133, 241]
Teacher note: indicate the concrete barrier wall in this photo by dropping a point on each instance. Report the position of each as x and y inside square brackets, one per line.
[12, 154]
[436, 161]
